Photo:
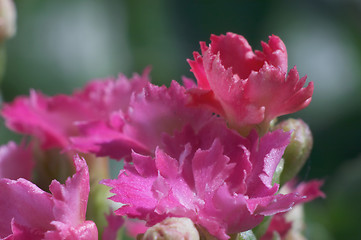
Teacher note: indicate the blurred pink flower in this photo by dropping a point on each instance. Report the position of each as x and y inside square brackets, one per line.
[280, 223]
[53, 120]
[152, 113]
[27, 212]
[16, 161]
[213, 176]
[248, 88]
[134, 227]
[114, 224]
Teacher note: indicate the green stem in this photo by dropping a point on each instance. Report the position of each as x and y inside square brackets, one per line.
[2, 60]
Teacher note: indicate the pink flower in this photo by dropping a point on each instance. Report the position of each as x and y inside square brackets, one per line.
[114, 224]
[281, 223]
[16, 161]
[152, 113]
[53, 120]
[278, 224]
[27, 212]
[248, 88]
[218, 179]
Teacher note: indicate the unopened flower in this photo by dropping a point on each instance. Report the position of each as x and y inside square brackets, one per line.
[27, 212]
[172, 229]
[213, 176]
[248, 88]
[7, 19]
[16, 161]
[53, 120]
[299, 149]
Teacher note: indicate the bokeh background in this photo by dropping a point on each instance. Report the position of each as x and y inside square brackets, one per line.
[60, 45]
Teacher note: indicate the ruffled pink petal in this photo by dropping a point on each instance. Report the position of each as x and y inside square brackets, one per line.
[195, 176]
[265, 157]
[134, 188]
[198, 70]
[84, 231]
[16, 161]
[224, 207]
[188, 82]
[152, 113]
[274, 53]
[103, 139]
[309, 190]
[27, 204]
[26, 209]
[109, 95]
[209, 175]
[271, 205]
[70, 200]
[48, 119]
[54, 119]
[235, 53]
[248, 88]
[21, 232]
[269, 88]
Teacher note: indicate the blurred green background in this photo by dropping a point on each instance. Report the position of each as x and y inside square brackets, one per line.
[60, 45]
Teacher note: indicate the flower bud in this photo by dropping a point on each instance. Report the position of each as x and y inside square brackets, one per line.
[172, 229]
[299, 148]
[7, 19]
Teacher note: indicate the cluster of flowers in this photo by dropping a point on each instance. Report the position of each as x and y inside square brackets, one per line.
[201, 161]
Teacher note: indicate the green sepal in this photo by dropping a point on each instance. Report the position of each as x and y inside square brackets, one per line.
[248, 235]
[279, 169]
[276, 236]
[261, 228]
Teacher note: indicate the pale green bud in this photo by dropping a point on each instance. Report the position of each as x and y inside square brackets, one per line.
[7, 19]
[172, 229]
[299, 149]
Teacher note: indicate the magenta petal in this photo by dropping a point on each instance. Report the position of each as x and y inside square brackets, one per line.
[53, 120]
[209, 175]
[212, 175]
[247, 88]
[275, 53]
[309, 190]
[26, 209]
[152, 113]
[104, 140]
[71, 199]
[270, 88]
[21, 232]
[226, 205]
[198, 70]
[134, 190]
[235, 53]
[27, 204]
[271, 205]
[266, 156]
[16, 161]
[85, 231]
